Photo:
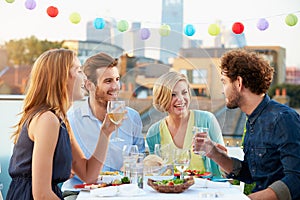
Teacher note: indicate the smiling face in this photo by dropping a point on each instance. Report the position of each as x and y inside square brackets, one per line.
[180, 99]
[76, 81]
[108, 84]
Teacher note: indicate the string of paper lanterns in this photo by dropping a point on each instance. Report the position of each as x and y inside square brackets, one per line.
[165, 29]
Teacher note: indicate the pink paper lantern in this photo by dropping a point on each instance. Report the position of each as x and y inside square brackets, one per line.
[262, 24]
[30, 4]
[145, 33]
[238, 28]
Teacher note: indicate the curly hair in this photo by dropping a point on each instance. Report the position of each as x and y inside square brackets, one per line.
[255, 71]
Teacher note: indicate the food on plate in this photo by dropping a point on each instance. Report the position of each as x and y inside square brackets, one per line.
[198, 173]
[153, 160]
[176, 181]
[171, 185]
[154, 165]
[168, 172]
[125, 180]
[90, 186]
[114, 173]
[115, 182]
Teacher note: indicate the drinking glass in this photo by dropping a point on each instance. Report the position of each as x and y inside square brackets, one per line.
[163, 152]
[130, 155]
[200, 130]
[182, 158]
[116, 112]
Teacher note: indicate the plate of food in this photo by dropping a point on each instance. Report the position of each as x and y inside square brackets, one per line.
[171, 185]
[108, 177]
[114, 182]
[89, 186]
[199, 174]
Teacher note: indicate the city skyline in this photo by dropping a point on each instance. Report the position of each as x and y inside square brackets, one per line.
[18, 22]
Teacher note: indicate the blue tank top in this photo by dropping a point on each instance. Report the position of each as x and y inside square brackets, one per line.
[21, 164]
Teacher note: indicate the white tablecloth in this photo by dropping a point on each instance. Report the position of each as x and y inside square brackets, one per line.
[200, 190]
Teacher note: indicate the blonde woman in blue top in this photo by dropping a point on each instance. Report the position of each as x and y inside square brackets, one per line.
[171, 94]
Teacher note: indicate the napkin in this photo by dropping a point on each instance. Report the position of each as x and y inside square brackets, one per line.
[106, 191]
[121, 190]
[200, 182]
[130, 190]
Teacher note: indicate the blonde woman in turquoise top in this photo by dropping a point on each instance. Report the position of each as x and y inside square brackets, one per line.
[172, 94]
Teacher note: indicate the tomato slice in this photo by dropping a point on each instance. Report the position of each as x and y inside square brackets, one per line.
[176, 174]
[80, 186]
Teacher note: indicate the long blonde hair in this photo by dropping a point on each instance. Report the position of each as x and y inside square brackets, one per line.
[47, 87]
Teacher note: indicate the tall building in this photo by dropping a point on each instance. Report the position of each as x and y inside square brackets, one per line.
[172, 15]
[228, 39]
[293, 75]
[132, 43]
[109, 34]
[129, 40]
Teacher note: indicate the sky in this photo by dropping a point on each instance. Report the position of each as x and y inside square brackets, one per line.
[17, 22]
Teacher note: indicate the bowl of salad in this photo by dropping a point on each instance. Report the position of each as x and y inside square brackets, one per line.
[175, 185]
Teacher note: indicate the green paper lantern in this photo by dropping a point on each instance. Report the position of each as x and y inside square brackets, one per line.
[10, 1]
[164, 30]
[122, 25]
[75, 18]
[214, 29]
[291, 20]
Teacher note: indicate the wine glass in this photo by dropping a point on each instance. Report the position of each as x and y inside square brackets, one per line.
[163, 151]
[182, 158]
[130, 155]
[116, 112]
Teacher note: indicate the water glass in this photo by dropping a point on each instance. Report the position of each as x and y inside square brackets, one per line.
[137, 174]
[200, 130]
[130, 155]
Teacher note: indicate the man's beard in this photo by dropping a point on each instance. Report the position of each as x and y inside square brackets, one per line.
[101, 98]
[234, 99]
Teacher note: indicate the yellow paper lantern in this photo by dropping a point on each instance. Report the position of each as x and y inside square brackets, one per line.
[291, 20]
[75, 18]
[164, 30]
[10, 1]
[214, 29]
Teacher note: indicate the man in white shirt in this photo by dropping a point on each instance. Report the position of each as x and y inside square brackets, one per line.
[103, 84]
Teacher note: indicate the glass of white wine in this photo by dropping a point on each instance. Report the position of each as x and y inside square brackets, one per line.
[116, 112]
[182, 158]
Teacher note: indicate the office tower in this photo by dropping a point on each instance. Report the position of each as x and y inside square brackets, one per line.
[109, 34]
[172, 14]
[228, 39]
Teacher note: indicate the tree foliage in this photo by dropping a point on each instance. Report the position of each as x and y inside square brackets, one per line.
[26, 51]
